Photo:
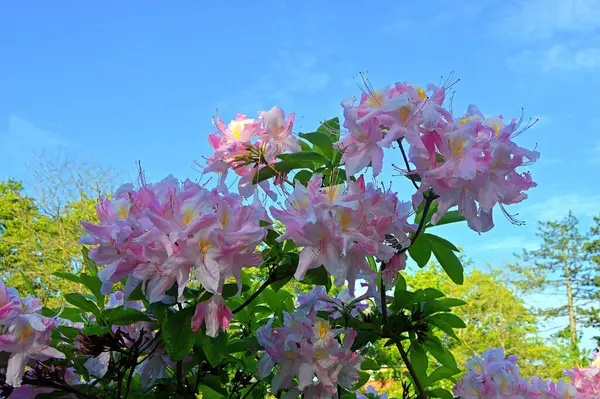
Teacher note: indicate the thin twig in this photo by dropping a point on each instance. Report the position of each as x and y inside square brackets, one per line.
[250, 389]
[260, 289]
[399, 141]
[421, 391]
[428, 201]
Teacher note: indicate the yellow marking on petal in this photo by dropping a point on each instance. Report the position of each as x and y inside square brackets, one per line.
[290, 355]
[225, 218]
[204, 245]
[344, 218]
[496, 126]
[421, 93]
[236, 128]
[404, 113]
[189, 215]
[320, 355]
[322, 329]
[122, 209]
[26, 332]
[457, 146]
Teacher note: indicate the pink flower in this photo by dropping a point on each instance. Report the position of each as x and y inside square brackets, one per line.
[339, 226]
[277, 134]
[24, 333]
[169, 230]
[307, 349]
[214, 313]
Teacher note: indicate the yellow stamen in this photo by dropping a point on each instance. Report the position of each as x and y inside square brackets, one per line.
[332, 192]
[375, 100]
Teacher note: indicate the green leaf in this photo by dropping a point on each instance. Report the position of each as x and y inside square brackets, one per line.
[28, 286]
[400, 283]
[91, 265]
[321, 141]
[441, 305]
[442, 355]
[215, 348]
[418, 358]
[272, 170]
[67, 276]
[137, 294]
[420, 251]
[81, 302]
[72, 314]
[449, 318]
[303, 159]
[440, 393]
[364, 378]
[450, 263]
[69, 332]
[279, 284]
[94, 284]
[441, 373]
[209, 392]
[277, 300]
[331, 127]
[123, 317]
[96, 330]
[271, 238]
[178, 335]
[369, 364]
[449, 217]
[303, 176]
[318, 276]
[242, 345]
[439, 241]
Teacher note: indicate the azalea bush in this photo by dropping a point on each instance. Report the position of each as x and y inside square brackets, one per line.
[190, 289]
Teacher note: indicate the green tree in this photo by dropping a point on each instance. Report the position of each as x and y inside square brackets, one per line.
[39, 232]
[562, 268]
[495, 316]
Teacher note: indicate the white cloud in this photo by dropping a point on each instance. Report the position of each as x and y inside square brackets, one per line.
[509, 243]
[542, 19]
[559, 206]
[558, 57]
[22, 139]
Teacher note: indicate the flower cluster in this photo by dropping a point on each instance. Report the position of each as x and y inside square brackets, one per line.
[307, 349]
[158, 234]
[339, 226]
[493, 375]
[468, 162]
[248, 145]
[24, 333]
[587, 380]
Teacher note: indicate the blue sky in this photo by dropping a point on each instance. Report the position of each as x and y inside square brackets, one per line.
[115, 82]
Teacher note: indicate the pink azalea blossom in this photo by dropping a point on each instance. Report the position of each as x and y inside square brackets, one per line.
[24, 333]
[214, 313]
[158, 235]
[339, 226]
[307, 349]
